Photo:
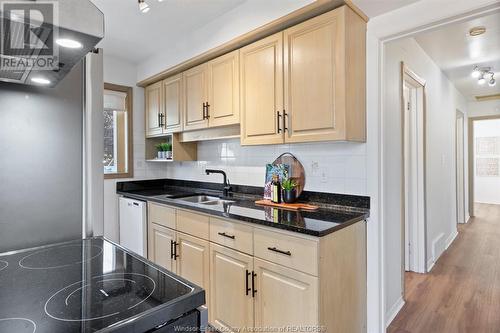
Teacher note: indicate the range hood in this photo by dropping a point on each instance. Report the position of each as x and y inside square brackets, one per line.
[28, 57]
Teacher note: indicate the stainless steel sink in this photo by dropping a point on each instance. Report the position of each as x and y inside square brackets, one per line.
[198, 198]
[205, 200]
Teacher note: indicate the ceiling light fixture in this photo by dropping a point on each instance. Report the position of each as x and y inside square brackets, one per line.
[143, 6]
[481, 80]
[479, 73]
[40, 80]
[69, 43]
[476, 73]
[476, 31]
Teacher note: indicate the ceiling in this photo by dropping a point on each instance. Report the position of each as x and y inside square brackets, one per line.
[135, 37]
[456, 53]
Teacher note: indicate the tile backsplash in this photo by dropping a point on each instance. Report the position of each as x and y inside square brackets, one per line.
[338, 167]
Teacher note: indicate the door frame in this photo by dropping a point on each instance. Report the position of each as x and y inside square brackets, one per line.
[460, 115]
[472, 157]
[416, 230]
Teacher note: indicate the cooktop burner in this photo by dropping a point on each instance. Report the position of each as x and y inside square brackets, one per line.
[89, 285]
[61, 256]
[17, 325]
[3, 265]
[116, 293]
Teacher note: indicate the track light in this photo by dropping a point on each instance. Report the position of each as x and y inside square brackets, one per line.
[481, 80]
[476, 73]
[143, 6]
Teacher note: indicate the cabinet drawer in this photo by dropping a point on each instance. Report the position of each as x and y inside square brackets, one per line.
[234, 235]
[295, 252]
[161, 215]
[193, 224]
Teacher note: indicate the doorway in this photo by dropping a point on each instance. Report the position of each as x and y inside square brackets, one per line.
[460, 162]
[413, 117]
[484, 161]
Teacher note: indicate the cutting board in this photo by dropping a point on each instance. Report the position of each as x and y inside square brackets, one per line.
[294, 206]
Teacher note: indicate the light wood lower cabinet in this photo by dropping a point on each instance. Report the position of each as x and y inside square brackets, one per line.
[284, 297]
[193, 259]
[160, 243]
[231, 306]
[284, 280]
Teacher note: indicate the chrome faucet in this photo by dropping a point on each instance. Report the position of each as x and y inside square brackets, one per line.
[227, 187]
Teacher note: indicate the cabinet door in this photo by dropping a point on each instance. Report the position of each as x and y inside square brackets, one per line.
[314, 79]
[193, 260]
[224, 90]
[153, 110]
[284, 296]
[195, 95]
[261, 84]
[160, 241]
[231, 304]
[172, 103]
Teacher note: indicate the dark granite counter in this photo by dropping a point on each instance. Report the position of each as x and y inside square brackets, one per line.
[336, 211]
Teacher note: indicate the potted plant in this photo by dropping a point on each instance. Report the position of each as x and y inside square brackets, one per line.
[289, 190]
[167, 148]
[161, 153]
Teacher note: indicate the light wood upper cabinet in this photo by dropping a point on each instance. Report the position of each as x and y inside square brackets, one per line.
[172, 90]
[230, 286]
[160, 242]
[153, 110]
[261, 71]
[324, 65]
[224, 90]
[195, 97]
[284, 297]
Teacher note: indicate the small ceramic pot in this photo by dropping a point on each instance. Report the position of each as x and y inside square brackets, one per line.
[290, 196]
[168, 154]
[161, 155]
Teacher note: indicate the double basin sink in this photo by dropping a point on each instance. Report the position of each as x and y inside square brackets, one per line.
[199, 200]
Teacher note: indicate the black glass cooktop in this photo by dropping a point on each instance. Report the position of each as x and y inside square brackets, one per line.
[88, 285]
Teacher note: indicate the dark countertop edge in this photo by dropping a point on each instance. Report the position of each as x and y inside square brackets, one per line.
[161, 313]
[363, 216]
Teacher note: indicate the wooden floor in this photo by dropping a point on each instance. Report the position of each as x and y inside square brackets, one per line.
[462, 292]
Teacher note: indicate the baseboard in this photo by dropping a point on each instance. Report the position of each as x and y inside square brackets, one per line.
[430, 265]
[451, 238]
[467, 219]
[393, 311]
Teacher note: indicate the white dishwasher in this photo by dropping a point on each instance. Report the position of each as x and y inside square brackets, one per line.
[133, 226]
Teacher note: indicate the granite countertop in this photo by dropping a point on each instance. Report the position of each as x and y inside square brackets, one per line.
[336, 211]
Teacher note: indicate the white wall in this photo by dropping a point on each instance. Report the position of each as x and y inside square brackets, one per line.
[486, 188]
[242, 19]
[442, 101]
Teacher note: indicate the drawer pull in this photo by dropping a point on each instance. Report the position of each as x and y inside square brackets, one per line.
[287, 253]
[175, 250]
[254, 291]
[247, 287]
[171, 249]
[223, 234]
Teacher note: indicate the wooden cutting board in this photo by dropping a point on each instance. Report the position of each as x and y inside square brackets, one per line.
[294, 206]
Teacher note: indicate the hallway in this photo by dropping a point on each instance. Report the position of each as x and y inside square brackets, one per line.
[462, 292]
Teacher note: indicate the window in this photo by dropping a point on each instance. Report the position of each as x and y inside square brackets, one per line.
[118, 158]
